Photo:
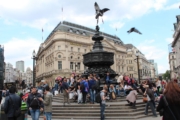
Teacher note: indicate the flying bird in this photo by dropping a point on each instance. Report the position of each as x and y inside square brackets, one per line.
[134, 30]
[99, 12]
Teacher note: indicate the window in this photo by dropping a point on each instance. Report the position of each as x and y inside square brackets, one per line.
[84, 33]
[71, 48]
[78, 58]
[71, 57]
[122, 69]
[59, 47]
[59, 65]
[84, 67]
[78, 66]
[119, 68]
[71, 65]
[85, 50]
[77, 32]
[59, 56]
[78, 49]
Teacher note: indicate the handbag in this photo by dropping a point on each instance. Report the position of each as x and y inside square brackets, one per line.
[113, 96]
[17, 112]
[145, 99]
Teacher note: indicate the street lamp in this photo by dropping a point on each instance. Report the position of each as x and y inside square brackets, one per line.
[34, 58]
[75, 66]
[137, 56]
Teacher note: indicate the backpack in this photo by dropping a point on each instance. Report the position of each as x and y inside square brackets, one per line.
[34, 102]
[98, 97]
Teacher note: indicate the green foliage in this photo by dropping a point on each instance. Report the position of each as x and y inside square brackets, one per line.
[167, 74]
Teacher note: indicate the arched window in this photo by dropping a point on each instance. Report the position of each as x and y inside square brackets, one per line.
[59, 56]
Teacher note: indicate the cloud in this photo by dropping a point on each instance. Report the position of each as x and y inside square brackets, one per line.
[151, 51]
[162, 68]
[173, 6]
[20, 49]
[47, 13]
[169, 40]
[117, 25]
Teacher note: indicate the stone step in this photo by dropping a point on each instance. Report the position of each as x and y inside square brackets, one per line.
[97, 110]
[69, 107]
[132, 114]
[98, 117]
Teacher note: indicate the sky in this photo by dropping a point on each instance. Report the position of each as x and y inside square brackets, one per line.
[21, 23]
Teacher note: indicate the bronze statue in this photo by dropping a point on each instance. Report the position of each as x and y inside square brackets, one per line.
[99, 12]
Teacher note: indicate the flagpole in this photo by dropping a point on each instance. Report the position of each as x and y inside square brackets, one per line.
[42, 34]
[62, 13]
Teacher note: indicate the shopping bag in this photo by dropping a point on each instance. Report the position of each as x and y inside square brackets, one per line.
[71, 94]
[2, 102]
[56, 92]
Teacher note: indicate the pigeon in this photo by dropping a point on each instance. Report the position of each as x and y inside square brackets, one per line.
[99, 12]
[134, 30]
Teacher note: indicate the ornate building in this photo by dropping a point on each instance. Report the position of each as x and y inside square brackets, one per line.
[62, 51]
[29, 76]
[146, 68]
[176, 45]
[172, 65]
[2, 68]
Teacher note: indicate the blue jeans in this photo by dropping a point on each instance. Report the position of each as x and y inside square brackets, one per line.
[118, 92]
[102, 111]
[35, 114]
[108, 81]
[92, 95]
[48, 115]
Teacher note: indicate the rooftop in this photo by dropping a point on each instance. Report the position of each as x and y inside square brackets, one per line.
[82, 30]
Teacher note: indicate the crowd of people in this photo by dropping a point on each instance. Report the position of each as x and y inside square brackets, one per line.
[85, 89]
[38, 100]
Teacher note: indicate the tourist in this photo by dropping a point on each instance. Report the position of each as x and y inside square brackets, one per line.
[12, 103]
[112, 92]
[92, 89]
[84, 88]
[151, 99]
[172, 96]
[79, 94]
[66, 91]
[158, 85]
[47, 103]
[35, 106]
[103, 101]
[131, 98]
[107, 78]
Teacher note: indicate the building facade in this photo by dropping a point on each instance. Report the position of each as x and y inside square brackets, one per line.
[9, 73]
[2, 68]
[20, 65]
[62, 52]
[176, 45]
[172, 65]
[29, 76]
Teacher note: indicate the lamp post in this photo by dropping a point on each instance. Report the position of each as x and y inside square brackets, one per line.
[34, 58]
[75, 66]
[137, 56]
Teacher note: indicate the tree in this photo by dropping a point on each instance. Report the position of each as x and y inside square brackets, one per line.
[166, 75]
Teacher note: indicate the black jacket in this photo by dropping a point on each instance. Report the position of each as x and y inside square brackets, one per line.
[167, 114]
[8, 105]
[31, 98]
[150, 93]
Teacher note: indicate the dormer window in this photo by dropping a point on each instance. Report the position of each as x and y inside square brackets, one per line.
[77, 32]
[84, 33]
[70, 30]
